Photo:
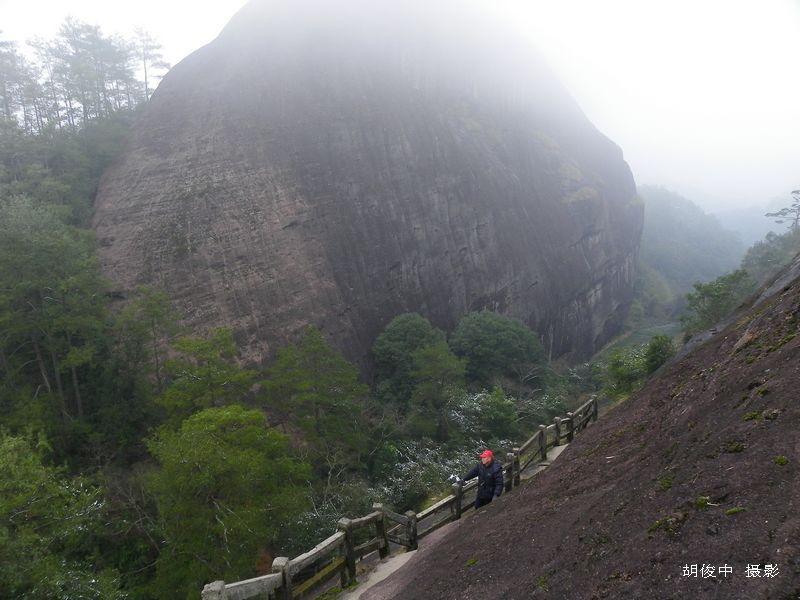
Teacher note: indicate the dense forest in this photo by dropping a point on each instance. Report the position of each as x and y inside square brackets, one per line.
[140, 460]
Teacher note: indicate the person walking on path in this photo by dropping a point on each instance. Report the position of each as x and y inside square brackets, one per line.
[490, 478]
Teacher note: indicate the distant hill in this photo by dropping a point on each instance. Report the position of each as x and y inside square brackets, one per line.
[749, 222]
[683, 243]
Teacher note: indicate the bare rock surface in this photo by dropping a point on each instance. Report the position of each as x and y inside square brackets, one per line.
[339, 163]
[690, 489]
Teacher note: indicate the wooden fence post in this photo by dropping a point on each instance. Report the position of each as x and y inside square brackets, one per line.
[279, 565]
[412, 529]
[349, 572]
[509, 483]
[543, 441]
[557, 422]
[571, 427]
[594, 408]
[517, 468]
[380, 531]
[458, 492]
[214, 591]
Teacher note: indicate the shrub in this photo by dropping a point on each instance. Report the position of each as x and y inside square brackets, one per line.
[495, 345]
[659, 350]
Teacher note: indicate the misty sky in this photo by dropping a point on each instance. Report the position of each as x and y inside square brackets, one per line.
[703, 96]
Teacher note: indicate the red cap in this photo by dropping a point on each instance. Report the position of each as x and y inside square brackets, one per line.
[487, 454]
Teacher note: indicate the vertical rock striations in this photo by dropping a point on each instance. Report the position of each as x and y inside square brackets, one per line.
[337, 164]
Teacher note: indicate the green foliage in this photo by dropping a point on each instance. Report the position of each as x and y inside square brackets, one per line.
[51, 305]
[495, 345]
[438, 374]
[206, 375]
[143, 331]
[659, 350]
[671, 525]
[713, 301]
[765, 258]
[61, 169]
[735, 510]
[80, 76]
[320, 390]
[225, 484]
[626, 368]
[46, 526]
[701, 502]
[499, 416]
[543, 583]
[393, 352]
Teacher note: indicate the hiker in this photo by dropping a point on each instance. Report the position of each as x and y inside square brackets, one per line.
[490, 478]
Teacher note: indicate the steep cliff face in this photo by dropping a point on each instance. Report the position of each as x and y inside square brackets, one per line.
[337, 164]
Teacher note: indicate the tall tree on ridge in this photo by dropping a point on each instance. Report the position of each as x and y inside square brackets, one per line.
[149, 51]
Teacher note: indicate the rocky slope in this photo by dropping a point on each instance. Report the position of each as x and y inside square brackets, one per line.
[337, 164]
[701, 467]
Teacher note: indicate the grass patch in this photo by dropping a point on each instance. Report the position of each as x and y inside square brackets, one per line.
[701, 502]
[334, 592]
[734, 447]
[780, 460]
[670, 525]
[735, 510]
[472, 562]
[543, 584]
[665, 483]
[752, 416]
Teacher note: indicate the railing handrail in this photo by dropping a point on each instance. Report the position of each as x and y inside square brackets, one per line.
[284, 569]
[319, 551]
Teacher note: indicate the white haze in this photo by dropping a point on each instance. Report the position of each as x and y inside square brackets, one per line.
[701, 95]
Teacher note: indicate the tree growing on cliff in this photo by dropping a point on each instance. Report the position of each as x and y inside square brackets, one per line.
[713, 301]
[51, 304]
[144, 330]
[393, 352]
[322, 395]
[47, 524]
[205, 375]
[765, 258]
[225, 483]
[149, 53]
[789, 214]
[439, 376]
[495, 345]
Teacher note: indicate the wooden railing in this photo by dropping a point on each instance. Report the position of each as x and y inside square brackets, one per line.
[295, 578]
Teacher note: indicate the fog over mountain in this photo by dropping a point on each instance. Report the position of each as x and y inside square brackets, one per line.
[339, 164]
[700, 96]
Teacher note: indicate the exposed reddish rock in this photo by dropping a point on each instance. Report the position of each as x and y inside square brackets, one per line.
[700, 468]
[339, 163]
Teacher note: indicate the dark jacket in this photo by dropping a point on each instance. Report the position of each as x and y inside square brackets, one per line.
[490, 479]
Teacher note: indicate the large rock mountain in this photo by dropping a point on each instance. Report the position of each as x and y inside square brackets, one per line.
[339, 163]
